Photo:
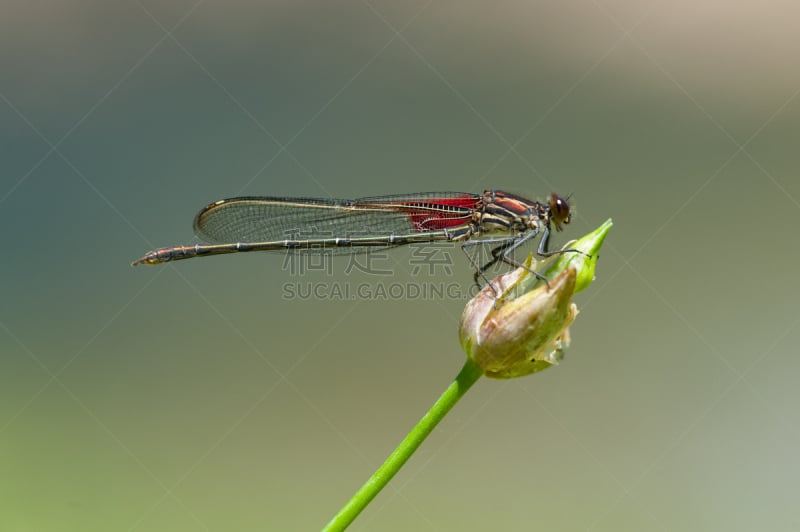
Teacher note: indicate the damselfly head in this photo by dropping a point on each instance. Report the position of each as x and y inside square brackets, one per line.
[559, 211]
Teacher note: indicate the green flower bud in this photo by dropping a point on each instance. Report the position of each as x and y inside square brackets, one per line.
[585, 261]
[519, 324]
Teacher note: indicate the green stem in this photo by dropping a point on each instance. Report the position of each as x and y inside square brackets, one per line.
[468, 375]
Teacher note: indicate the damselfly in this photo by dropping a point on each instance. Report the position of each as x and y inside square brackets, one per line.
[348, 226]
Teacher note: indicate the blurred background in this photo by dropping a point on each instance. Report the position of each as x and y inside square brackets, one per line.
[202, 395]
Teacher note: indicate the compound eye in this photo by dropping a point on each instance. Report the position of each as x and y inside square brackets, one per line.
[559, 209]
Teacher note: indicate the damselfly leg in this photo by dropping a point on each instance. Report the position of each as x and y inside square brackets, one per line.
[504, 249]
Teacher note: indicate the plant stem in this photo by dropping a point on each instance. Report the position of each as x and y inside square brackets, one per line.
[468, 375]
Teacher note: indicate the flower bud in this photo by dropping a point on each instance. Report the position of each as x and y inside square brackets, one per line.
[519, 325]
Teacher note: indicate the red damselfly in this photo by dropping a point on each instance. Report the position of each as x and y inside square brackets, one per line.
[255, 223]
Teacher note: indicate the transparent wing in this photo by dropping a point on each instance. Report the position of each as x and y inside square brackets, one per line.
[261, 219]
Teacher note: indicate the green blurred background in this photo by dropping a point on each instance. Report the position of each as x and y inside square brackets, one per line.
[194, 396]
